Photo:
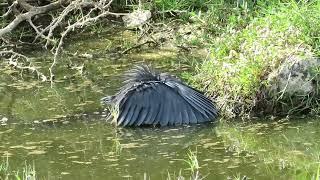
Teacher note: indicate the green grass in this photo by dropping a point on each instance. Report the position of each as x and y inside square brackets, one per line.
[247, 42]
[180, 5]
[318, 173]
[251, 46]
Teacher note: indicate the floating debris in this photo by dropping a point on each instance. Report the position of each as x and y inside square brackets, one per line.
[65, 173]
[82, 162]
[73, 157]
[36, 152]
[3, 120]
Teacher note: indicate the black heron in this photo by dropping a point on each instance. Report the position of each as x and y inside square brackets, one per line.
[152, 98]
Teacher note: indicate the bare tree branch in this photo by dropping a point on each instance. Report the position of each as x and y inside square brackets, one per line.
[28, 15]
[38, 32]
[83, 13]
[10, 9]
[83, 21]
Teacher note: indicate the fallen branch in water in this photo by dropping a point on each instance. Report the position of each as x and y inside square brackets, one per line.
[13, 58]
[138, 46]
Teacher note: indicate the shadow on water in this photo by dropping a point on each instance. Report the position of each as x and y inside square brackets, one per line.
[61, 132]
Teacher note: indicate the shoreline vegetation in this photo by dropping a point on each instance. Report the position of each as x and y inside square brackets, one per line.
[259, 58]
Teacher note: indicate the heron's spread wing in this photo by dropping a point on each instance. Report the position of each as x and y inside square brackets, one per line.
[158, 103]
[196, 99]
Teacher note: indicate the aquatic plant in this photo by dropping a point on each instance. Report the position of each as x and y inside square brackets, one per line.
[116, 146]
[192, 161]
[28, 172]
[113, 113]
[4, 169]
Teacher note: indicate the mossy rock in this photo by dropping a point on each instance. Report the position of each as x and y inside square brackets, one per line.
[293, 86]
[294, 77]
[136, 18]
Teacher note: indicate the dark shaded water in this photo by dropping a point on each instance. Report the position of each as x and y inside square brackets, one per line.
[61, 133]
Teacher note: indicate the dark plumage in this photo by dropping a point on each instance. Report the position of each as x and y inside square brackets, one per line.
[152, 98]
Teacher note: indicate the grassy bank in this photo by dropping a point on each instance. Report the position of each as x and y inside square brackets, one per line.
[249, 41]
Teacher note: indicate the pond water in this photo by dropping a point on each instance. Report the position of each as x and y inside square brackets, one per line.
[60, 132]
